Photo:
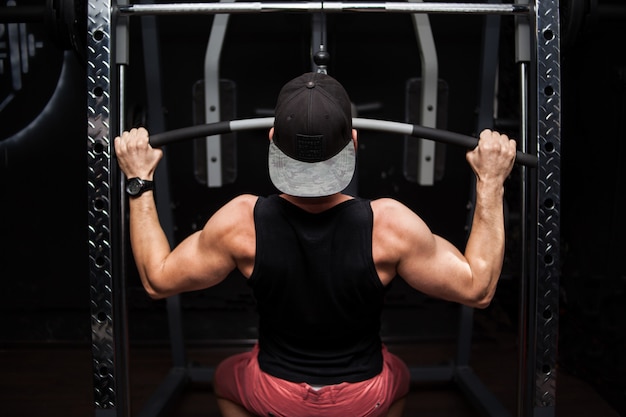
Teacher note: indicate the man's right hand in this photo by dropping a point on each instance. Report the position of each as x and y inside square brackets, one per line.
[493, 157]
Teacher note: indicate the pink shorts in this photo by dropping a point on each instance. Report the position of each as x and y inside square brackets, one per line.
[240, 380]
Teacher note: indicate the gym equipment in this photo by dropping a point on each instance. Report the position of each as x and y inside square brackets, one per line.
[329, 7]
[107, 57]
[34, 39]
[418, 131]
[65, 21]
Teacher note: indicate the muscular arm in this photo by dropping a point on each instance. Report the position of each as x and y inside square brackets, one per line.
[204, 258]
[404, 244]
[200, 261]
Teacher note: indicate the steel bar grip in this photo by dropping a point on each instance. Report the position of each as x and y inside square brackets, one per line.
[437, 135]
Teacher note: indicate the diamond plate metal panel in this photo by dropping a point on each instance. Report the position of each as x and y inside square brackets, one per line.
[548, 201]
[99, 195]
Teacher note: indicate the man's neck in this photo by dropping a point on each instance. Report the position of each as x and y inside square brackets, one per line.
[316, 204]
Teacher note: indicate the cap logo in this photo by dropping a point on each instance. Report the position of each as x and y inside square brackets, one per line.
[309, 148]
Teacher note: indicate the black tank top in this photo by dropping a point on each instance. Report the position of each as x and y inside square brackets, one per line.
[318, 295]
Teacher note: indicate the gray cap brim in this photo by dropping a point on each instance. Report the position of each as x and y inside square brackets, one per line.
[311, 179]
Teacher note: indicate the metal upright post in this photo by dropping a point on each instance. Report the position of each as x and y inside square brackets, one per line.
[547, 130]
[108, 315]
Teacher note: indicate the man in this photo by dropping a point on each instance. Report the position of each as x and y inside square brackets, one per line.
[318, 261]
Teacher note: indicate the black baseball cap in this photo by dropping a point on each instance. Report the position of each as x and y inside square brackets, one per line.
[311, 153]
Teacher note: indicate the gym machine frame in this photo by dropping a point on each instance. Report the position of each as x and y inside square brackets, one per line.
[107, 33]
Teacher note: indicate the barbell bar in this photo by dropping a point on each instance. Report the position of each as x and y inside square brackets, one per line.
[331, 6]
[223, 127]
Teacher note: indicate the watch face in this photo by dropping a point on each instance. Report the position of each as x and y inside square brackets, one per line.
[134, 186]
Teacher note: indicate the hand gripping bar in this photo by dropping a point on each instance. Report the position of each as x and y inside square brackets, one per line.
[438, 135]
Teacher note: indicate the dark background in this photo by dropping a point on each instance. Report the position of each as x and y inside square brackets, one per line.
[43, 169]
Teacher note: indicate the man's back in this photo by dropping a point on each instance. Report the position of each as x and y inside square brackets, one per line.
[318, 294]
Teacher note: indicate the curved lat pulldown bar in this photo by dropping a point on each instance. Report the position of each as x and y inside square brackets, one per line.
[438, 135]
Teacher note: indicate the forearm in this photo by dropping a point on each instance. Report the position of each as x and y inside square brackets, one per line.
[485, 246]
[148, 241]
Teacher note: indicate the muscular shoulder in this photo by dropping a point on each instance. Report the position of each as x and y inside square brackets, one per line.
[231, 231]
[397, 233]
[233, 216]
[390, 212]
[397, 226]
[242, 204]
[386, 204]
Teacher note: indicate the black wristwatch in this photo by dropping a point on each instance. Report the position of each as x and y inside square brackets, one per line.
[136, 186]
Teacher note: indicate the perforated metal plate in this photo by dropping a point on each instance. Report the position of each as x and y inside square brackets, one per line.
[548, 127]
[99, 195]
